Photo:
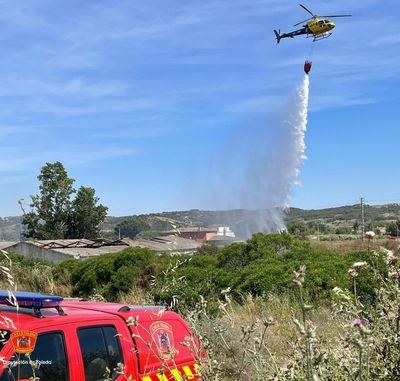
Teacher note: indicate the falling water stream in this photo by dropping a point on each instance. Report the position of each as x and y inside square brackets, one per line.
[271, 177]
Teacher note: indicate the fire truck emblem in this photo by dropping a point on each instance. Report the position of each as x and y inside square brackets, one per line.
[23, 341]
[162, 335]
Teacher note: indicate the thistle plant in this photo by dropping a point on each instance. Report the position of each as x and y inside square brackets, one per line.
[306, 328]
[369, 236]
[354, 273]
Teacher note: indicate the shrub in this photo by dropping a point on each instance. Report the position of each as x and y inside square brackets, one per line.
[111, 273]
[264, 265]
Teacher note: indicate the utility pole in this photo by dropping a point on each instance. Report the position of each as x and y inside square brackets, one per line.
[362, 218]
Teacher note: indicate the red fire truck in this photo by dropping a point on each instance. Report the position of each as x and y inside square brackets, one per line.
[53, 339]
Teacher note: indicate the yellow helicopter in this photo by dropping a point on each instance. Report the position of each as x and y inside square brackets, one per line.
[318, 27]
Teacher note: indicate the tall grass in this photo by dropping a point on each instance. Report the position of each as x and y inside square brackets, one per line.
[276, 337]
[273, 339]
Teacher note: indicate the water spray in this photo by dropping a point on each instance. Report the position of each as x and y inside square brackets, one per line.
[256, 173]
[292, 146]
[272, 174]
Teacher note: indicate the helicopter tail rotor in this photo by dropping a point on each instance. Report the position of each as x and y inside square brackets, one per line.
[278, 36]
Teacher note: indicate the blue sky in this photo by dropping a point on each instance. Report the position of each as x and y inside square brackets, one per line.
[138, 98]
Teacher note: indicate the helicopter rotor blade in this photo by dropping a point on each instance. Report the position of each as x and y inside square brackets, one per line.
[331, 16]
[307, 10]
[301, 22]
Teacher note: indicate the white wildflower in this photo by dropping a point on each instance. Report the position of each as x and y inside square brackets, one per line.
[369, 234]
[359, 265]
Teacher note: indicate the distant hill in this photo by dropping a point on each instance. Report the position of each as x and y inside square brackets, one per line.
[341, 220]
[376, 213]
[331, 219]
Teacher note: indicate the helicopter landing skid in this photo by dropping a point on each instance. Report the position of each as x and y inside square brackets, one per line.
[320, 36]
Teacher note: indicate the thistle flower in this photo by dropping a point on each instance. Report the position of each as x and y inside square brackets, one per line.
[360, 265]
[353, 273]
[120, 368]
[132, 321]
[394, 275]
[299, 276]
[268, 322]
[302, 270]
[393, 260]
[296, 282]
[369, 235]
[358, 322]
[226, 291]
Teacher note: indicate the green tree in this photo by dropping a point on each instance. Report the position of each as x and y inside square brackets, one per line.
[393, 228]
[51, 207]
[86, 216]
[131, 227]
[55, 215]
[298, 228]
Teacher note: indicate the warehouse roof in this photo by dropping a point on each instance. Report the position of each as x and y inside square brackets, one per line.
[170, 243]
[74, 248]
[76, 243]
[193, 229]
[6, 244]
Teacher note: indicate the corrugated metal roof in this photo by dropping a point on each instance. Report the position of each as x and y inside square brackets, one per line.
[170, 243]
[5, 244]
[80, 248]
[76, 243]
[85, 252]
[191, 230]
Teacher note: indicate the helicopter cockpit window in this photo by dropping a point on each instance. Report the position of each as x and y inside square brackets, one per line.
[321, 23]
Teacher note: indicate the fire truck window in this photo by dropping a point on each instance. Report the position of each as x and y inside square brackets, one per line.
[113, 346]
[49, 353]
[100, 349]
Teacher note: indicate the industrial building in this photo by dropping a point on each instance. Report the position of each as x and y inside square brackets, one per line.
[62, 249]
[166, 244]
[201, 234]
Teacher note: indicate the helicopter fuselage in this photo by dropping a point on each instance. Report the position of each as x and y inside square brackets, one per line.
[317, 28]
[320, 26]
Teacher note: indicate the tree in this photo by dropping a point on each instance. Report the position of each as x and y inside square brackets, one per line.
[86, 216]
[55, 215]
[131, 227]
[298, 228]
[51, 207]
[393, 228]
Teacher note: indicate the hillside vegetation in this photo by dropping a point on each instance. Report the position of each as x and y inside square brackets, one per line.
[338, 220]
[10, 228]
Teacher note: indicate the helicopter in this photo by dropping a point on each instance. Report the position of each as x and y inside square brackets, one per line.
[318, 27]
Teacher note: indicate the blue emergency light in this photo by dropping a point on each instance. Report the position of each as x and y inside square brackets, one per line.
[33, 300]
